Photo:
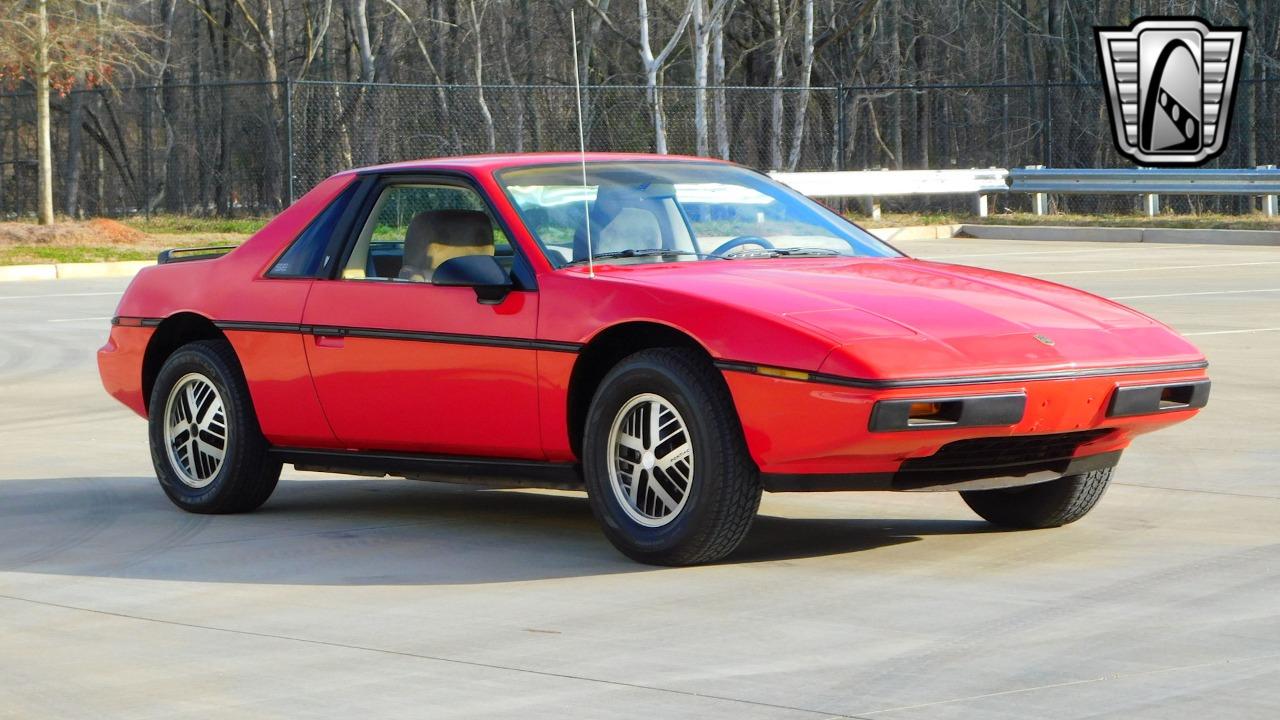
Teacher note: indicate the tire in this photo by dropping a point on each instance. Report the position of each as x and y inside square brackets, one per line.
[205, 375]
[634, 503]
[1044, 505]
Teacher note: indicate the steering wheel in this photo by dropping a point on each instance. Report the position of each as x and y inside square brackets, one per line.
[740, 241]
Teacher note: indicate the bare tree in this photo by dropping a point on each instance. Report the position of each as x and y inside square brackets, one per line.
[719, 105]
[478, 38]
[706, 18]
[49, 43]
[652, 64]
[806, 76]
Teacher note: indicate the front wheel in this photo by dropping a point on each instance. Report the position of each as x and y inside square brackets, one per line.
[206, 446]
[667, 470]
[1044, 505]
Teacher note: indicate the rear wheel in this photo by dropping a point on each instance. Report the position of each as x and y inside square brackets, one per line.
[1044, 505]
[667, 470]
[206, 446]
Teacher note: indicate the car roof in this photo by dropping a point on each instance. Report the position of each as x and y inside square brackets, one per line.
[490, 163]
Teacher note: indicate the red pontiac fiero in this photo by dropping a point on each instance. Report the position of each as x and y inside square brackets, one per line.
[674, 335]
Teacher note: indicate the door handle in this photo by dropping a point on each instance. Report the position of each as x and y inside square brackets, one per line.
[328, 337]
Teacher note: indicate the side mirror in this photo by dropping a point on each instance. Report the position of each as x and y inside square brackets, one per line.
[482, 272]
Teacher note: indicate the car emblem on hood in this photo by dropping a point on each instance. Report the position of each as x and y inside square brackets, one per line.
[1044, 339]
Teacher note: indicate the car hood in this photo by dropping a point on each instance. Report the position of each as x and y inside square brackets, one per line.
[901, 317]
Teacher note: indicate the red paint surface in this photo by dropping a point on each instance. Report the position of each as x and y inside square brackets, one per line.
[882, 318]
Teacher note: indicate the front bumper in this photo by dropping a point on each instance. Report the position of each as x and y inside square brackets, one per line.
[807, 435]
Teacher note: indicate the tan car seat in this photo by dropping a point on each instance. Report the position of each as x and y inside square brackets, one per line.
[435, 236]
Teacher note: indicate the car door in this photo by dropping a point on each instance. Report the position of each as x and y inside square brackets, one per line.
[402, 365]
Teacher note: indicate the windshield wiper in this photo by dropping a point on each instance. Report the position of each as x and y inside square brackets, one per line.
[644, 252]
[788, 252]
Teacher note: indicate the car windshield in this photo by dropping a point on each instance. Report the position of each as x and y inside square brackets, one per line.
[674, 211]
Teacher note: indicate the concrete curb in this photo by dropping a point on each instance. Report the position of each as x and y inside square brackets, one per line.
[915, 232]
[63, 271]
[1103, 234]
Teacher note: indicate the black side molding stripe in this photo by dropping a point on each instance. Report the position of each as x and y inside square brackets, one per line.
[134, 321]
[256, 326]
[408, 335]
[826, 379]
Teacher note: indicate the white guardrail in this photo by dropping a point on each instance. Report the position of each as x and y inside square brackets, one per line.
[1039, 182]
[871, 184]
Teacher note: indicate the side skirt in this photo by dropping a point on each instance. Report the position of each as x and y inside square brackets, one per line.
[490, 472]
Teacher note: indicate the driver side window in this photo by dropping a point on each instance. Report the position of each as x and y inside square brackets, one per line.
[415, 227]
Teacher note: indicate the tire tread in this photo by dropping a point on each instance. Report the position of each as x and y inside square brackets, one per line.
[250, 475]
[735, 506]
[1046, 505]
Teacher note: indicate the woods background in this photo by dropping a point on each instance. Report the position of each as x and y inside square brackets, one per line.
[236, 106]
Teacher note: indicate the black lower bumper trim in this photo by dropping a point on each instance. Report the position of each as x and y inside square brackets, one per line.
[1161, 398]
[951, 412]
[974, 478]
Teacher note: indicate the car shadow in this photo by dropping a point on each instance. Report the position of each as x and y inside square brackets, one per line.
[364, 532]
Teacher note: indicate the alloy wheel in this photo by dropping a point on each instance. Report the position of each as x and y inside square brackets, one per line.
[650, 460]
[195, 430]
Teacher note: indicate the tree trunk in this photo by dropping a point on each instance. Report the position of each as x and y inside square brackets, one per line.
[655, 110]
[701, 50]
[924, 104]
[899, 117]
[71, 169]
[366, 150]
[490, 134]
[779, 66]
[43, 139]
[651, 82]
[806, 72]
[717, 79]
[504, 52]
[653, 69]
[360, 16]
[584, 60]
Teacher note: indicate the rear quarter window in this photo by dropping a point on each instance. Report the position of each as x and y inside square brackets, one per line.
[305, 255]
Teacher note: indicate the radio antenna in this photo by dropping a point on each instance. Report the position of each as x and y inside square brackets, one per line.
[582, 146]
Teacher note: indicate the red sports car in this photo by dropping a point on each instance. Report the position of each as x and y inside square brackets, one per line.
[673, 334]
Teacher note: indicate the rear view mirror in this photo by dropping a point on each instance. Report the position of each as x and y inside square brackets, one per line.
[482, 272]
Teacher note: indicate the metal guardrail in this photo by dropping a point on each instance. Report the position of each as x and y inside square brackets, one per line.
[1125, 181]
[871, 184]
[1150, 183]
[1040, 182]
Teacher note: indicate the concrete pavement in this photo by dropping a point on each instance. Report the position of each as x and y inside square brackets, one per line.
[388, 598]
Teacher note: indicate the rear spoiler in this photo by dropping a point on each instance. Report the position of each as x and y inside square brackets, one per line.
[174, 255]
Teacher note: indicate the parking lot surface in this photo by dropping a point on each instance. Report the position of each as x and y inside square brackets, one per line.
[348, 597]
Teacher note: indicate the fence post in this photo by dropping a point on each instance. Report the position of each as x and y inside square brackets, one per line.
[841, 128]
[1039, 201]
[1270, 207]
[288, 138]
[1151, 204]
[980, 205]
[871, 207]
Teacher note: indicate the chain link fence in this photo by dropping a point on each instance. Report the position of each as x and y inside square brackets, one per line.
[248, 148]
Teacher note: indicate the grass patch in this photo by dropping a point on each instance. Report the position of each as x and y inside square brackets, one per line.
[47, 254]
[183, 225]
[98, 240]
